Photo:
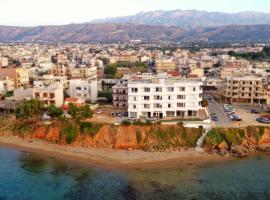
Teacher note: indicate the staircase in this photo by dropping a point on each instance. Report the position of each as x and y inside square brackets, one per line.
[201, 140]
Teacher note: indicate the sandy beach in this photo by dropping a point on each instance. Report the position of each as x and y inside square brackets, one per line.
[109, 157]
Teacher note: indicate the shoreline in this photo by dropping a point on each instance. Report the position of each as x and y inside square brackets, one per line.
[111, 158]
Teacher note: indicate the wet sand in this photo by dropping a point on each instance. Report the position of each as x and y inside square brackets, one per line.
[110, 157]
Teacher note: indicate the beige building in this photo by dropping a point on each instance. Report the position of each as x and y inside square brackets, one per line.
[165, 65]
[83, 72]
[247, 90]
[233, 71]
[6, 84]
[49, 95]
[18, 75]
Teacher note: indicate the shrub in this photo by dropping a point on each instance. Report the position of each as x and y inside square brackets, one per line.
[90, 128]
[126, 123]
[70, 132]
[261, 131]
[29, 109]
[148, 123]
[79, 113]
[255, 132]
[232, 138]
[54, 111]
[215, 136]
[138, 123]
[21, 129]
[191, 136]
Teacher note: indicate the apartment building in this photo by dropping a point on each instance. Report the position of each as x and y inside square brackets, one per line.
[120, 94]
[165, 65]
[4, 61]
[164, 97]
[82, 72]
[49, 95]
[6, 84]
[233, 71]
[83, 89]
[247, 90]
[18, 75]
[58, 70]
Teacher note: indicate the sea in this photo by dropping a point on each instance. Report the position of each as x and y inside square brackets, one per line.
[28, 176]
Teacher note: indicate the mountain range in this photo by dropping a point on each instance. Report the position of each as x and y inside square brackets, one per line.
[192, 18]
[176, 26]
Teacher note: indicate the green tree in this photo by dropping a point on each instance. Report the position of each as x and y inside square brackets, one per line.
[107, 94]
[53, 111]
[80, 113]
[110, 70]
[29, 109]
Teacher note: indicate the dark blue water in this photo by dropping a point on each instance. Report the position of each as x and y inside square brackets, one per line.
[25, 176]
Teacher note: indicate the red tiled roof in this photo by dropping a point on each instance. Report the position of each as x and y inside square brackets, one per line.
[71, 99]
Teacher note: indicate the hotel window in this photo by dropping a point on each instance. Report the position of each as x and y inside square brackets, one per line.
[134, 90]
[180, 105]
[134, 106]
[182, 89]
[158, 89]
[156, 97]
[181, 97]
[170, 89]
[146, 89]
[146, 98]
[146, 106]
[169, 105]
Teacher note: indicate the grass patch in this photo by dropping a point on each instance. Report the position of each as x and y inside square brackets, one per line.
[256, 132]
[70, 132]
[90, 128]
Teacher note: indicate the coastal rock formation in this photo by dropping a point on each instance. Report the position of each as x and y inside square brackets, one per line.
[105, 138]
[238, 151]
[224, 141]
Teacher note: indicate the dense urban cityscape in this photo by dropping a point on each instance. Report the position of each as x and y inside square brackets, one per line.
[140, 81]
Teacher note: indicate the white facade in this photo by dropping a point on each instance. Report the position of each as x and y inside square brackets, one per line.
[83, 89]
[164, 97]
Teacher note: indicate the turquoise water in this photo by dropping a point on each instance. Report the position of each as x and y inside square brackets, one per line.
[25, 176]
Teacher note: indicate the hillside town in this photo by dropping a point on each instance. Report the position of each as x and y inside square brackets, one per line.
[136, 81]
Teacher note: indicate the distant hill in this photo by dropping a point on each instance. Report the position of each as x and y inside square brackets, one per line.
[111, 32]
[191, 18]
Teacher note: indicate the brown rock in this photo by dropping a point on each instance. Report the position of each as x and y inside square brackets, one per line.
[223, 145]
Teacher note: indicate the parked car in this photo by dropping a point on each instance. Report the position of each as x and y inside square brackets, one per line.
[214, 118]
[125, 114]
[263, 120]
[254, 111]
[266, 116]
[119, 114]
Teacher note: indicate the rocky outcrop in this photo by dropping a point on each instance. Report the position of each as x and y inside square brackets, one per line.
[238, 151]
[264, 148]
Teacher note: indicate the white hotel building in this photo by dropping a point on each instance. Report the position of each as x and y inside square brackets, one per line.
[164, 97]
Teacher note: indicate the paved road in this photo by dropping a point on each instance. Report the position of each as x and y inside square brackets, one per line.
[217, 108]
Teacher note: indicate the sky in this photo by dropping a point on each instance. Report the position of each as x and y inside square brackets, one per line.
[55, 12]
